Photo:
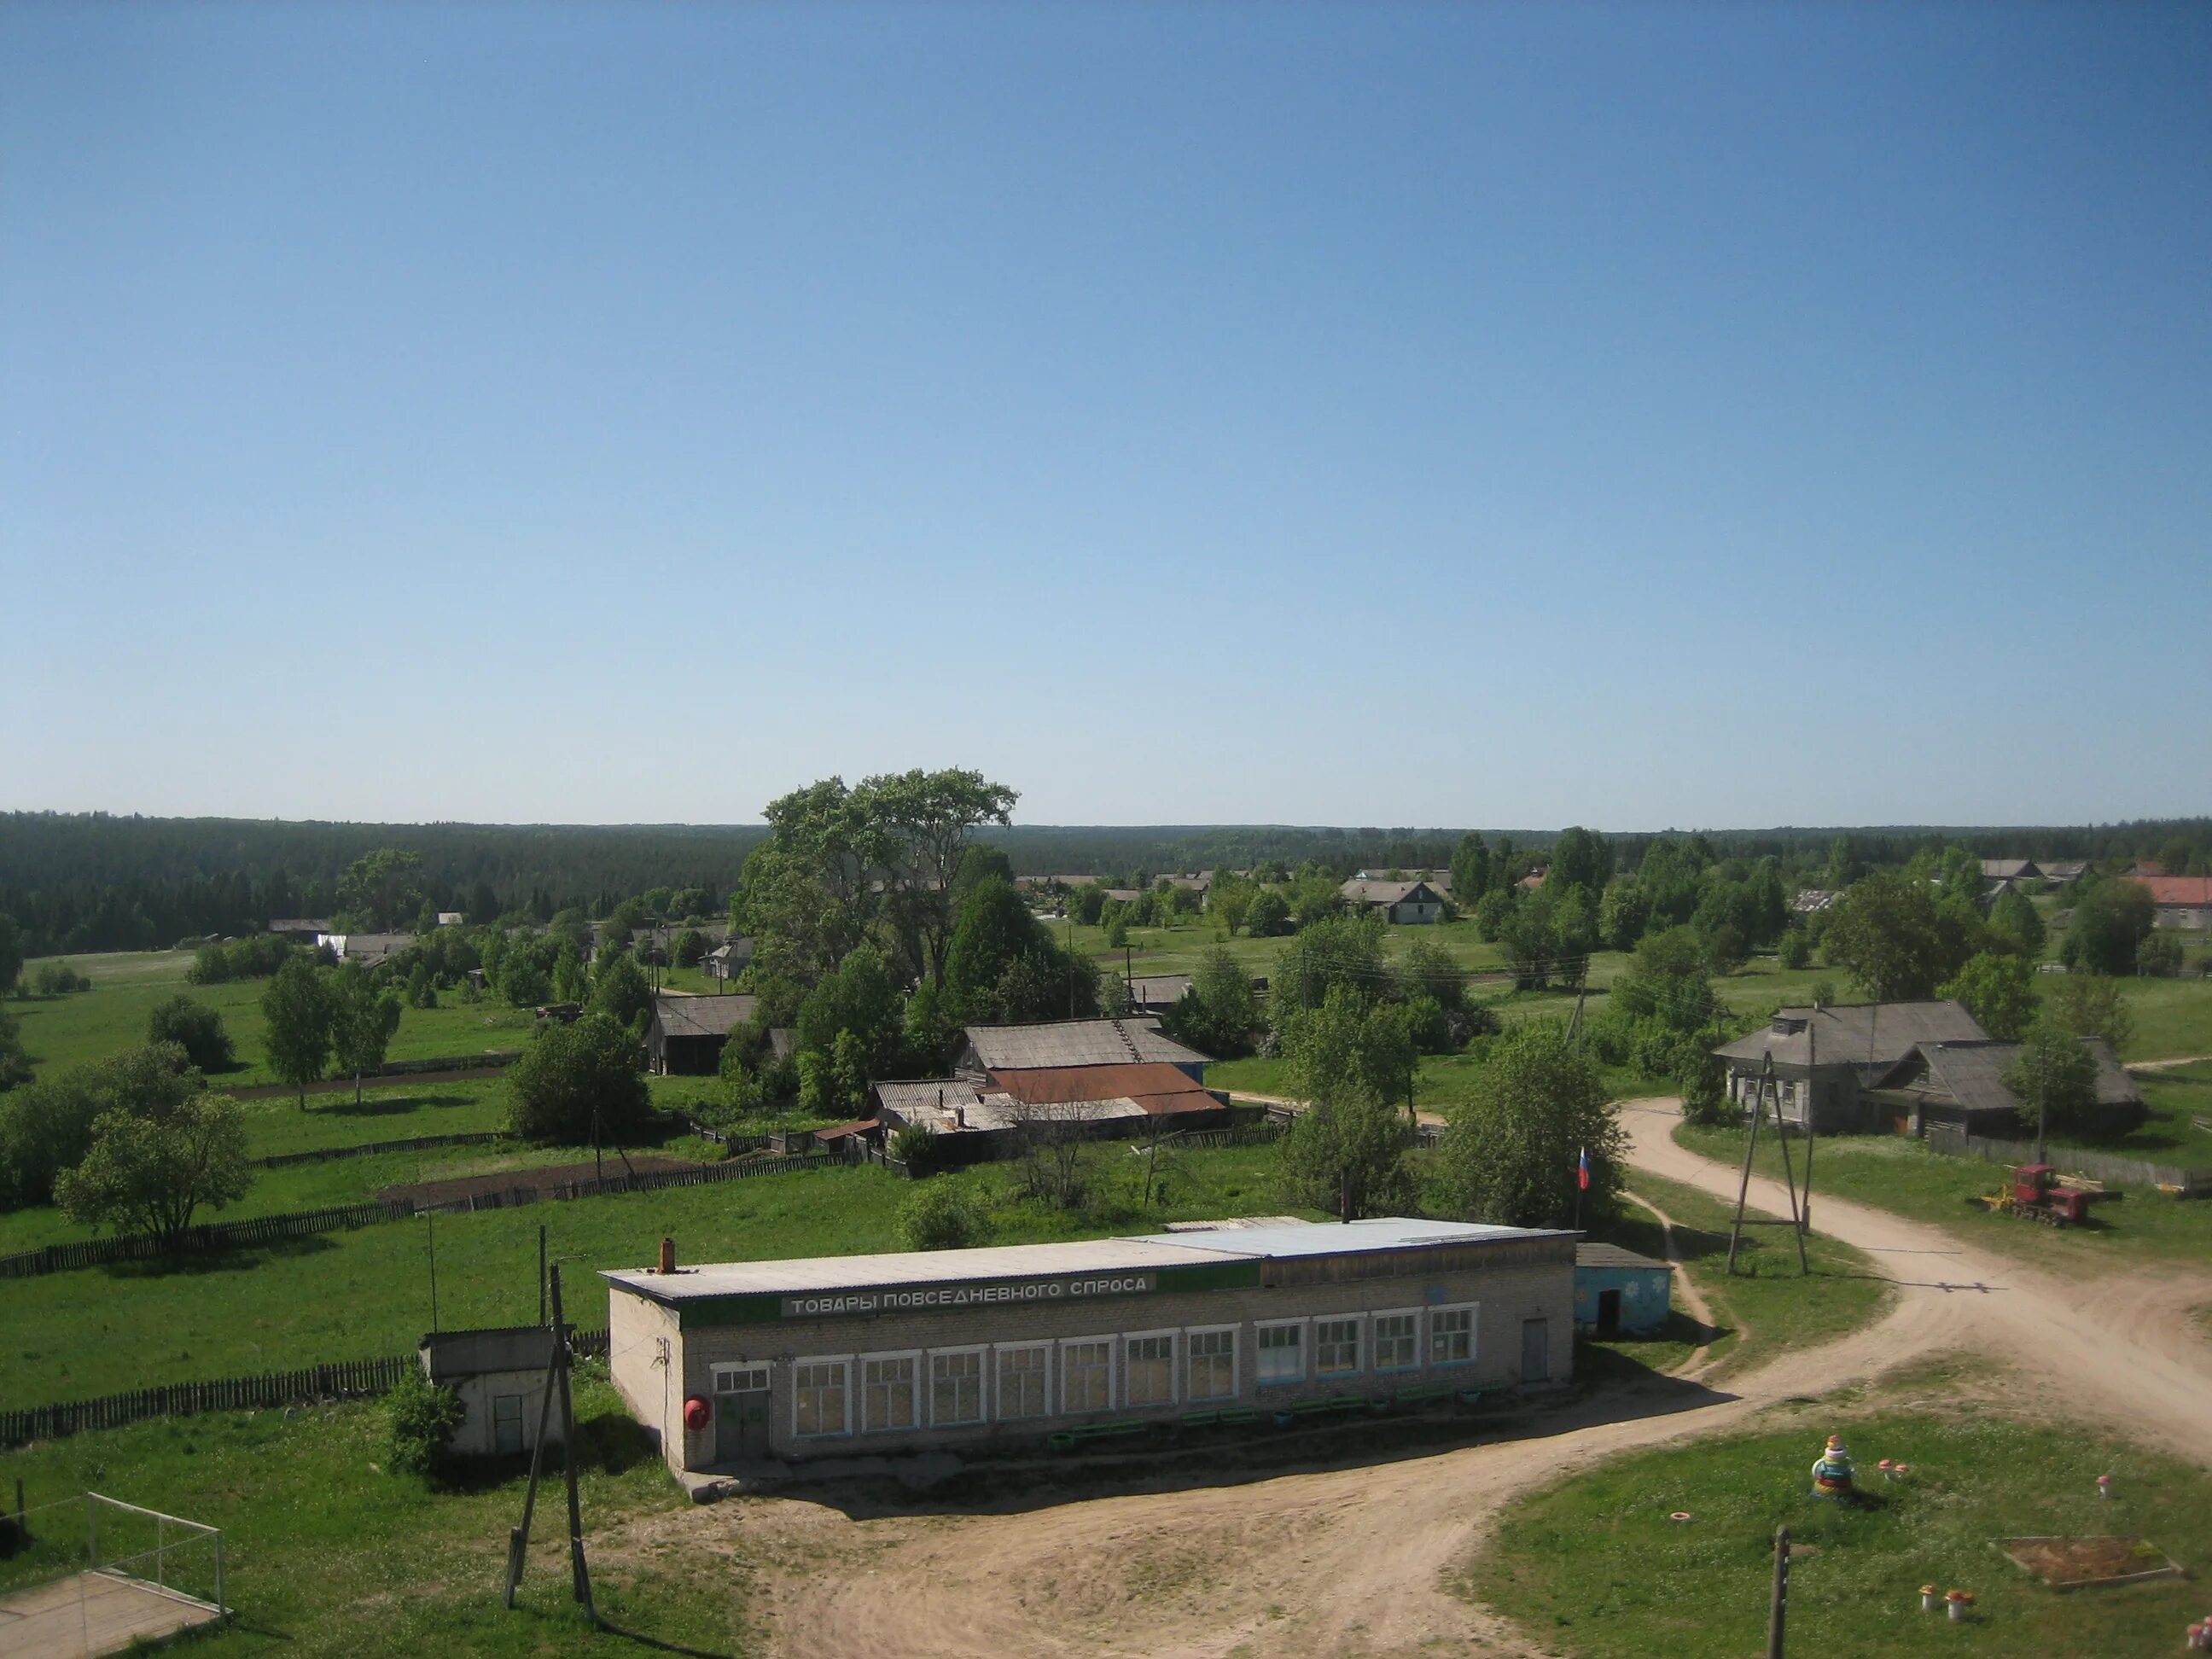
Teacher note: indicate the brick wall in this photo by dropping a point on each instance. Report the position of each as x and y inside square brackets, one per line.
[1505, 1296]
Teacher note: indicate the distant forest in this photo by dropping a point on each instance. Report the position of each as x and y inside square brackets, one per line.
[77, 882]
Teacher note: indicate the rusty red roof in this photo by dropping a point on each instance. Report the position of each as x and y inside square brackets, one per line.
[2177, 890]
[1156, 1086]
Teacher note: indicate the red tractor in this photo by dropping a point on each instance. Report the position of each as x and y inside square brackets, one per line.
[2037, 1196]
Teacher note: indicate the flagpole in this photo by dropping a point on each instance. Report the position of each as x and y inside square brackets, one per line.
[1581, 1181]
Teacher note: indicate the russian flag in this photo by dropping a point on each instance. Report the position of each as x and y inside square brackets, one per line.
[1581, 1170]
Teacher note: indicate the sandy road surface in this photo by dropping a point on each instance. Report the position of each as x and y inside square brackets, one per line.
[1353, 1561]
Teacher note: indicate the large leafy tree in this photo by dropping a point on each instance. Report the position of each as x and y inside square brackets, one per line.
[14, 1063]
[1472, 870]
[2110, 921]
[1899, 937]
[1514, 1145]
[150, 1172]
[298, 1012]
[1336, 952]
[1580, 857]
[1220, 1012]
[47, 1127]
[2015, 925]
[1351, 1035]
[2091, 1004]
[576, 1079]
[1998, 989]
[382, 890]
[362, 1022]
[622, 992]
[859, 1000]
[1623, 912]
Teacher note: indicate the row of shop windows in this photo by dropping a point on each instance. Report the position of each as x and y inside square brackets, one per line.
[1019, 1381]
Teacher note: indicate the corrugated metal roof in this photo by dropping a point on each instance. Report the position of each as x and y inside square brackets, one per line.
[1076, 1043]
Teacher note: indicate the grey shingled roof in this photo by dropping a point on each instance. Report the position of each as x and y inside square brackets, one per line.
[1077, 1042]
[1864, 1034]
[1973, 1073]
[1389, 892]
[694, 1017]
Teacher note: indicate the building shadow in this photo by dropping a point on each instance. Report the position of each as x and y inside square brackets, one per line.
[1225, 1458]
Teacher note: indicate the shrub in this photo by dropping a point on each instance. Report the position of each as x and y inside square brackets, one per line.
[572, 1073]
[915, 1144]
[941, 1216]
[421, 1418]
[195, 1028]
[59, 979]
[1796, 948]
[245, 958]
[2159, 955]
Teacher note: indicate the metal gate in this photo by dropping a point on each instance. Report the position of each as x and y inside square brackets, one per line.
[741, 1408]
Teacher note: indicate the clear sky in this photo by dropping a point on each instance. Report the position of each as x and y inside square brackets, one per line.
[1639, 415]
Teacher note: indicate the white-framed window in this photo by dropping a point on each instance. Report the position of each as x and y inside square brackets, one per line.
[1397, 1340]
[1282, 1351]
[1210, 1353]
[1148, 1368]
[955, 1386]
[818, 1402]
[890, 1385]
[1022, 1381]
[1336, 1346]
[739, 1379]
[1086, 1374]
[1451, 1334]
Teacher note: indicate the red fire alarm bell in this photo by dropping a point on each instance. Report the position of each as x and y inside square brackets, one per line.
[696, 1411]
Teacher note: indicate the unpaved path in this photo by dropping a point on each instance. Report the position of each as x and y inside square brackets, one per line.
[1354, 1561]
[2166, 1065]
[1693, 1299]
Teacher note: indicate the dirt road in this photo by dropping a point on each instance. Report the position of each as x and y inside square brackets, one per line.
[1354, 1561]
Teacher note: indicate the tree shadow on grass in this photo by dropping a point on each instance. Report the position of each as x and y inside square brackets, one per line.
[388, 1103]
[237, 1259]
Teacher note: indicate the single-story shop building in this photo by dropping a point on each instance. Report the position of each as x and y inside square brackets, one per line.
[961, 1349]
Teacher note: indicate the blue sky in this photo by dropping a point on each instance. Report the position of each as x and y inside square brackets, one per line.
[1636, 415]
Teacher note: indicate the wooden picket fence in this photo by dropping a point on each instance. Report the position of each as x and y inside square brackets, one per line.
[374, 1148]
[300, 1224]
[347, 1379]
[215, 1235]
[2075, 1160]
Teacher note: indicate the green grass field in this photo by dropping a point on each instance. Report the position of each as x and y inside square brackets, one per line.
[1766, 1306]
[1893, 1173]
[366, 1292]
[1596, 1570]
[91, 1024]
[324, 1554]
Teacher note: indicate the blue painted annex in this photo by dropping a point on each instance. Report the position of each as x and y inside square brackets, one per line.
[1618, 1291]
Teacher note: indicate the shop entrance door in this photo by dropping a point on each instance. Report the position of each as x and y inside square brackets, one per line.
[741, 1406]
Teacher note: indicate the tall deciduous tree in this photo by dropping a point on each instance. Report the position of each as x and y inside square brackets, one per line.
[1897, 938]
[383, 890]
[1580, 857]
[195, 1028]
[46, 1127]
[362, 1021]
[621, 992]
[2110, 922]
[2090, 1004]
[12, 953]
[2015, 925]
[297, 1009]
[2054, 1080]
[1345, 1150]
[1998, 989]
[1514, 1145]
[1472, 870]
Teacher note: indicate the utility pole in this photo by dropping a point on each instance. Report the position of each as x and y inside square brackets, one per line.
[541, 1273]
[517, 1538]
[1778, 1609]
[430, 1214]
[580, 1572]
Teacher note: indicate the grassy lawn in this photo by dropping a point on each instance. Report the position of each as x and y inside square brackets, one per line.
[1767, 1306]
[1594, 1568]
[68, 1030]
[2177, 1099]
[353, 1295]
[1893, 1173]
[323, 1555]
